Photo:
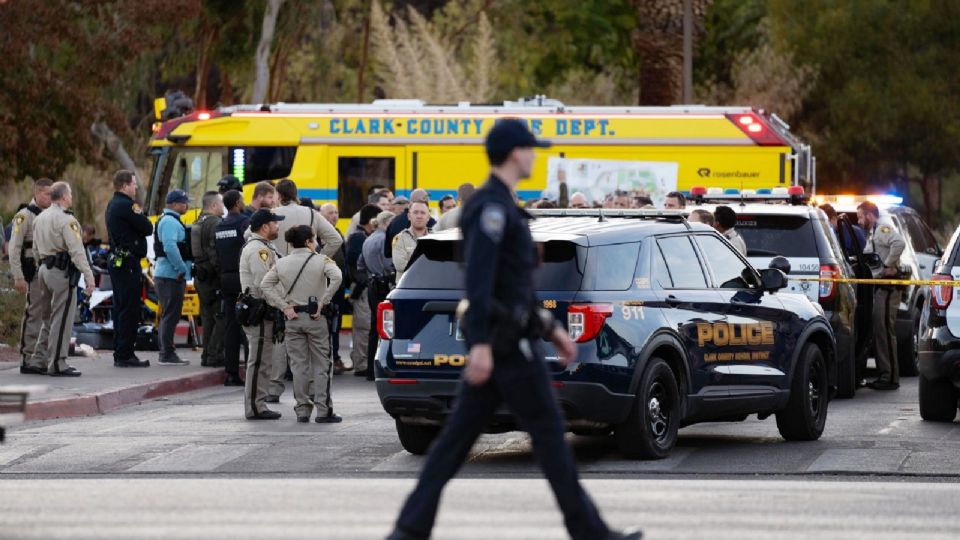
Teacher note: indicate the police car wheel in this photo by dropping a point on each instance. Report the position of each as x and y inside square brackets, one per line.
[938, 400]
[650, 432]
[805, 415]
[908, 348]
[416, 439]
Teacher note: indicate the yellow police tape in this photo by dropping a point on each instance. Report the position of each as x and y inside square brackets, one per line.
[904, 282]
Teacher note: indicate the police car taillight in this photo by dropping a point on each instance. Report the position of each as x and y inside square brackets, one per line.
[584, 321]
[828, 289]
[385, 320]
[942, 294]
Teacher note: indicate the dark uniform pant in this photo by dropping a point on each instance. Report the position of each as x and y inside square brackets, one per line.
[170, 294]
[525, 387]
[377, 290]
[232, 335]
[886, 301]
[127, 285]
[212, 324]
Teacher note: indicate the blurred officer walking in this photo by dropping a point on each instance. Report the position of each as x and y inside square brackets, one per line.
[206, 277]
[406, 240]
[358, 291]
[380, 274]
[888, 244]
[171, 273]
[229, 244]
[23, 265]
[128, 230]
[505, 362]
[302, 284]
[256, 259]
[56, 237]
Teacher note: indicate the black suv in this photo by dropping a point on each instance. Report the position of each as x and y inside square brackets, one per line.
[939, 342]
[673, 327]
[802, 234]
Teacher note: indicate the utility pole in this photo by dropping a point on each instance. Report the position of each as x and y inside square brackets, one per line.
[687, 51]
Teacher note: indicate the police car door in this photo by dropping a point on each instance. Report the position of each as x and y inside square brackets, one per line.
[750, 339]
[687, 302]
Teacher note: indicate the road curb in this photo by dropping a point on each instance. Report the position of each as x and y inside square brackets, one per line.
[108, 400]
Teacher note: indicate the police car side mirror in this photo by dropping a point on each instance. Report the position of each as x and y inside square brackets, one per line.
[773, 279]
[780, 263]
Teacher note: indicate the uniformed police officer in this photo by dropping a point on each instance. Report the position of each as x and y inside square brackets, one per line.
[380, 279]
[302, 284]
[888, 244]
[128, 230]
[358, 291]
[206, 277]
[257, 257]
[326, 234]
[505, 361]
[296, 214]
[56, 237]
[23, 265]
[406, 240]
[229, 244]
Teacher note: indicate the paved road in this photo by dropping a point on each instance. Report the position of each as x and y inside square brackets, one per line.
[204, 433]
[347, 509]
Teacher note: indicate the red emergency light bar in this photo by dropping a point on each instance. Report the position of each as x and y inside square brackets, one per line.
[196, 116]
[755, 127]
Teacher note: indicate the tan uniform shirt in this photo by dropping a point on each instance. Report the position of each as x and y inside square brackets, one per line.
[736, 240]
[887, 242]
[301, 215]
[56, 231]
[450, 220]
[403, 245]
[313, 281]
[20, 235]
[258, 256]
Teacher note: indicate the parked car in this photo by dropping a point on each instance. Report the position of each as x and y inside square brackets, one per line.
[939, 341]
[673, 327]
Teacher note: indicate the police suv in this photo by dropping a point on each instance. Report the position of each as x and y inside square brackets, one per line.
[673, 328]
[779, 222]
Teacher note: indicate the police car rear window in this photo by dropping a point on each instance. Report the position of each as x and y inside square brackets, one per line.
[438, 265]
[768, 236]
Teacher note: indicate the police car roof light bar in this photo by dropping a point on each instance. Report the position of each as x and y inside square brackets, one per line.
[795, 195]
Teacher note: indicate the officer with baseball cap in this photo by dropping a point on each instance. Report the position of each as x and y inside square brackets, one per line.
[229, 182]
[503, 327]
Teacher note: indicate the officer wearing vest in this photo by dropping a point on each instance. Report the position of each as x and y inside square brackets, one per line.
[257, 258]
[56, 238]
[128, 230]
[229, 244]
[888, 244]
[173, 254]
[302, 285]
[206, 277]
[23, 265]
[504, 329]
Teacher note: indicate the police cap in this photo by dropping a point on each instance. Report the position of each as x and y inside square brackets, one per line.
[507, 134]
[263, 216]
[229, 182]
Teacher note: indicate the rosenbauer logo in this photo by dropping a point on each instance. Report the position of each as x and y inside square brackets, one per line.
[706, 172]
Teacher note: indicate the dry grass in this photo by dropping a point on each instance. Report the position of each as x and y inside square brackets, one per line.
[413, 59]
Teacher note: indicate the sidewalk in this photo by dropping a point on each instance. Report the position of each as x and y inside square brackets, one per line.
[104, 387]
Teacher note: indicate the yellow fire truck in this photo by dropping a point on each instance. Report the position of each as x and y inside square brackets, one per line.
[335, 152]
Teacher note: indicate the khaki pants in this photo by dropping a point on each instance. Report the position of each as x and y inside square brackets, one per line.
[885, 304]
[58, 307]
[278, 369]
[308, 347]
[33, 333]
[255, 393]
[360, 332]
